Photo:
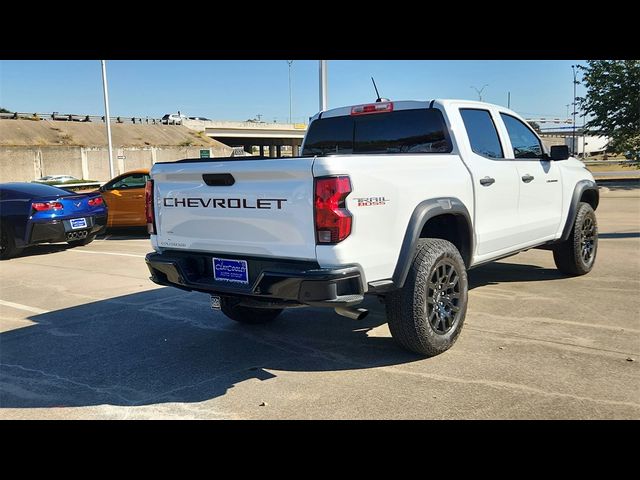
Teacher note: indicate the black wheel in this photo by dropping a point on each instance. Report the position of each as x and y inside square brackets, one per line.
[427, 314]
[577, 254]
[85, 241]
[248, 314]
[8, 247]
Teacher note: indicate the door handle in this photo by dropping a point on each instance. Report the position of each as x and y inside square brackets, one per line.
[486, 181]
[527, 178]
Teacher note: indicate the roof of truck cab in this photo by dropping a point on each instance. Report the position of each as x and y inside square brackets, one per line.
[448, 101]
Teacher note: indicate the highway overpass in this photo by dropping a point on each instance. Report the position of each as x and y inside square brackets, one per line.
[268, 137]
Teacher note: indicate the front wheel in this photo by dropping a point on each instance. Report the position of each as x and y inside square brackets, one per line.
[427, 314]
[577, 255]
[248, 314]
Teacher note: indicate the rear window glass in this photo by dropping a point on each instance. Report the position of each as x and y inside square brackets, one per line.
[403, 131]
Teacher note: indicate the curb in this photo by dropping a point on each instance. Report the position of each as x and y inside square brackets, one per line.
[617, 179]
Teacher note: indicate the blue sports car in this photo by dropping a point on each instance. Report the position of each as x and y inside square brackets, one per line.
[32, 213]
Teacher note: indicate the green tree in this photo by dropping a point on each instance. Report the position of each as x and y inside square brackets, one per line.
[535, 126]
[613, 102]
[4, 110]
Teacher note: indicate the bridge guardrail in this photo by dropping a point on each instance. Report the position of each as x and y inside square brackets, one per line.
[72, 117]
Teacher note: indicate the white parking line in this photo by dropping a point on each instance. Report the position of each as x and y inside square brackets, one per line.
[19, 306]
[107, 253]
[111, 239]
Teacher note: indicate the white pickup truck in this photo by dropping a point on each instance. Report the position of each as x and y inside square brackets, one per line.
[393, 199]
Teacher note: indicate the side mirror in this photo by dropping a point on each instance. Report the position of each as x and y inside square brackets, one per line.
[559, 152]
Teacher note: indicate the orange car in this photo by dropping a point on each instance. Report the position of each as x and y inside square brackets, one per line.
[125, 198]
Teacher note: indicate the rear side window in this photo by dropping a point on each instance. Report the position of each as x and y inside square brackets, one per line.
[524, 142]
[403, 131]
[137, 180]
[482, 132]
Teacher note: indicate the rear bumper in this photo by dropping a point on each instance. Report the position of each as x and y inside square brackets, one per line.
[272, 283]
[61, 231]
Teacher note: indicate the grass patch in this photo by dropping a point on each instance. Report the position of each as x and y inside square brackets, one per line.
[66, 139]
[68, 182]
[614, 168]
[73, 185]
[202, 137]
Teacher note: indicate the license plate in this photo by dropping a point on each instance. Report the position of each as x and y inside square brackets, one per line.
[78, 223]
[215, 302]
[231, 270]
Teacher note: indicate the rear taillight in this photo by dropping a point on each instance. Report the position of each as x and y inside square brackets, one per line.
[381, 107]
[44, 206]
[95, 201]
[148, 207]
[333, 220]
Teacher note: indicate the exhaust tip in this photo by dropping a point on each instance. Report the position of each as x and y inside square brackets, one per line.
[352, 313]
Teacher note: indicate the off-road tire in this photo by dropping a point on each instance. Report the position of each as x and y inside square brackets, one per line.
[577, 255]
[248, 315]
[413, 309]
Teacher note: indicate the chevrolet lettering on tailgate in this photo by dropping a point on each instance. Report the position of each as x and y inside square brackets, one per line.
[196, 202]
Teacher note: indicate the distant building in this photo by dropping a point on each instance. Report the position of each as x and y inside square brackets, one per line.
[591, 144]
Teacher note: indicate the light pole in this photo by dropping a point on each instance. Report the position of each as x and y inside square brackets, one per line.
[479, 92]
[509, 100]
[106, 116]
[323, 85]
[584, 137]
[289, 62]
[573, 137]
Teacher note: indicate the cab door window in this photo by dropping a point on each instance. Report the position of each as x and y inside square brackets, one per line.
[482, 132]
[525, 143]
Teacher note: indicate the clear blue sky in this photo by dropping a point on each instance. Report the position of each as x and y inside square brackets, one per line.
[239, 90]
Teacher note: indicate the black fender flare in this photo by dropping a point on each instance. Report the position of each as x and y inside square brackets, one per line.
[425, 211]
[581, 187]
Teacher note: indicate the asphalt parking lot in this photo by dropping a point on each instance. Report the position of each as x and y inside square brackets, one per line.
[85, 334]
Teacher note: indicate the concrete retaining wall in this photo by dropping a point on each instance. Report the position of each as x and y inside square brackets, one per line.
[24, 164]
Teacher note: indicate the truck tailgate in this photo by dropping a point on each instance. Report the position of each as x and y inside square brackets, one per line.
[267, 211]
